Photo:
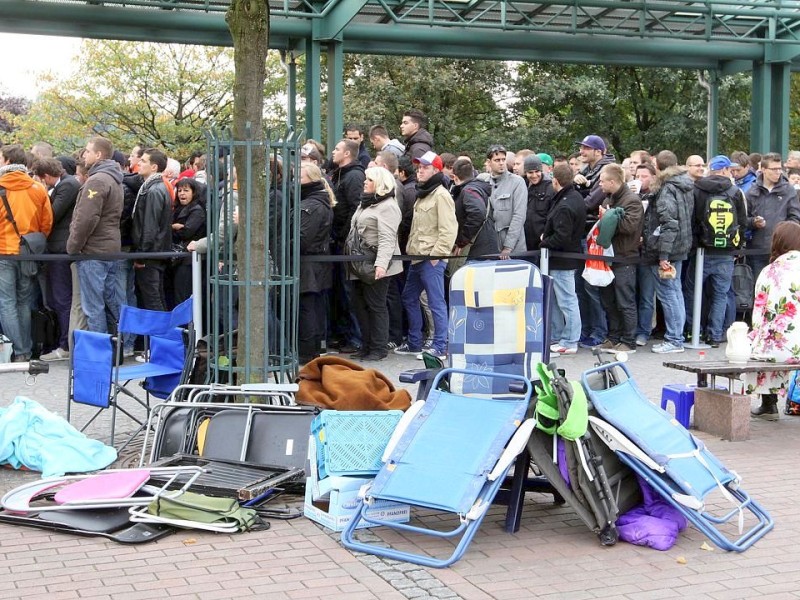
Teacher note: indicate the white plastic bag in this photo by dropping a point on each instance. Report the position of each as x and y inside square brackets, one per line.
[597, 272]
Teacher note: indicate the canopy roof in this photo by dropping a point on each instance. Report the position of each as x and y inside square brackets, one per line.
[699, 34]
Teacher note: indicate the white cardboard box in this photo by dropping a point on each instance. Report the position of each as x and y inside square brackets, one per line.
[332, 501]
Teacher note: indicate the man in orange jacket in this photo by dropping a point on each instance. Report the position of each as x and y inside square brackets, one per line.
[30, 208]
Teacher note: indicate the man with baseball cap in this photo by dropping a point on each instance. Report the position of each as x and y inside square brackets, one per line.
[719, 222]
[433, 233]
[587, 182]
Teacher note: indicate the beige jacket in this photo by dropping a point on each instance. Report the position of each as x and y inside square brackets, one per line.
[434, 227]
[377, 225]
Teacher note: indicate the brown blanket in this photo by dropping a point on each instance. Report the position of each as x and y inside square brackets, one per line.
[340, 384]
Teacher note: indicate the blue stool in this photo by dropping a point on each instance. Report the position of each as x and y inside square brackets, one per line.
[682, 397]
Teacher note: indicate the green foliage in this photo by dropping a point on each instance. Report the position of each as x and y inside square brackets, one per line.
[632, 107]
[462, 98]
[165, 95]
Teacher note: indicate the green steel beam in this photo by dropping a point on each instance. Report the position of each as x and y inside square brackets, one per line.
[331, 27]
[313, 82]
[335, 93]
[291, 89]
[779, 108]
[712, 121]
[760, 108]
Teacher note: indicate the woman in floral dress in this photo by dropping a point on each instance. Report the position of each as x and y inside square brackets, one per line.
[776, 331]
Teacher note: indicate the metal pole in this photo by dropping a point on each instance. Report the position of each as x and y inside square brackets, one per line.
[197, 294]
[697, 301]
[544, 261]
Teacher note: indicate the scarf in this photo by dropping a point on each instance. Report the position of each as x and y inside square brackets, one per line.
[368, 200]
[425, 188]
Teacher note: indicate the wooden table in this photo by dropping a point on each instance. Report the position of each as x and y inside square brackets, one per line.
[723, 368]
[720, 412]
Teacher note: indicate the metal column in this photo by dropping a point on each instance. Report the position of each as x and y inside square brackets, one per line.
[712, 127]
[313, 85]
[335, 92]
[760, 108]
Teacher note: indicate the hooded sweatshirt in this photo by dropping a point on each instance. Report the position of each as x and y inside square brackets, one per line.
[716, 185]
[30, 207]
[95, 222]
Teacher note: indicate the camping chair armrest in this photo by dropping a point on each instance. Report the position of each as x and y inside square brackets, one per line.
[289, 388]
[401, 427]
[516, 445]
[417, 375]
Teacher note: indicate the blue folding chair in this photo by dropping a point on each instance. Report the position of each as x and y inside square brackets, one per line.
[499, 322]
[450, 453]
[169, 349]
[673, 461]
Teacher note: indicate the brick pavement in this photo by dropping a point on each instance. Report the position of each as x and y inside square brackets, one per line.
[553, 555]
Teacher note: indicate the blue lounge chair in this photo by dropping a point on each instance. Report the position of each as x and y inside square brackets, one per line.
[674, 462]
[450, 453]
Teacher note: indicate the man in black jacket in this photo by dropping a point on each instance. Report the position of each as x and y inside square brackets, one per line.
[63, 190]
[471, 197]
[151, 229]
[540, 200]
[347, 180]
[563, 232]
[417, 138]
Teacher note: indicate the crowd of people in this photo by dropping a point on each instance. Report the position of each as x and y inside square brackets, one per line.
[96, 203]
[650, 210]
[404, 198]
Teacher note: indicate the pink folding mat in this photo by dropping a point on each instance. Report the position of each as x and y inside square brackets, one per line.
[105, 486]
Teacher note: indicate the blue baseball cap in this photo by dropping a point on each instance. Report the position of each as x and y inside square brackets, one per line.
[719, 162]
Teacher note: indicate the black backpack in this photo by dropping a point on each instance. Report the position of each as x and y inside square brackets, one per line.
[720, 227]
[743, 287]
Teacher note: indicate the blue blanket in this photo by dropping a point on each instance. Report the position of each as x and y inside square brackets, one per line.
[34, 437]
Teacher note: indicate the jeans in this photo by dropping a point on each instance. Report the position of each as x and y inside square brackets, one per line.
[619, 300]
[719, 270]
[424, 276]
[59, 296]
[16, 294]
[593, 317]
[647, 293]
[670, 295]
[99, 294]
[127, 295]
[565, 308]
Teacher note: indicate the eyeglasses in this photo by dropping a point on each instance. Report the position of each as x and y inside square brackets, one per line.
[772, 169]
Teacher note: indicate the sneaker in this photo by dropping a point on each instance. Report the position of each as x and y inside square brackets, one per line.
[427, 344]
[442, 356]
[19, 358]
[641, 340]
[589, 342]
[606, 344]
[391, 345]
[562, 350]
[57, 354]
[406, 349]
[623, 347]
[374, 356]
[714, 343]
[127, 352]
[666, 348]
[140, 358]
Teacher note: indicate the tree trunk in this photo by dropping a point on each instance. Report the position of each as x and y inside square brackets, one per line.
[248, 21]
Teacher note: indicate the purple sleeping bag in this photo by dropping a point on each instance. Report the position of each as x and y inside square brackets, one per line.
[654, 523]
